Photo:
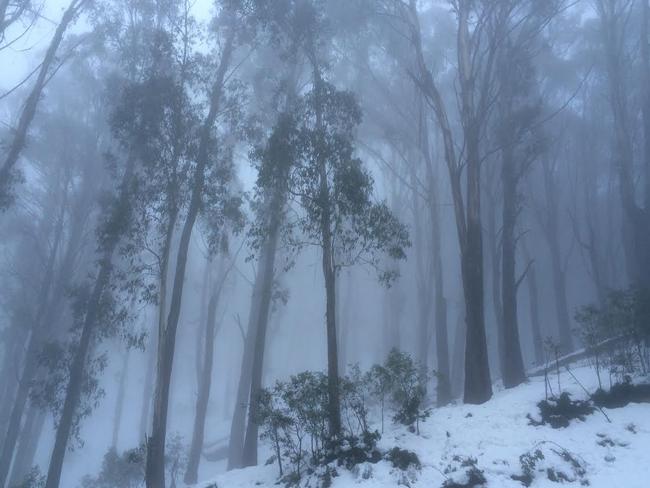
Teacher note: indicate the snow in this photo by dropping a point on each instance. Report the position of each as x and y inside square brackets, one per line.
[496, 434]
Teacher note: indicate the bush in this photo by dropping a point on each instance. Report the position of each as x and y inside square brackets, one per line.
[404, 383]
[403, 459]
[119, 471]
[553, 462]
[559, 411]
[621, 394]
[33, 479]
[625, 317]
[470, 475]
[294, 418]
[127, 470]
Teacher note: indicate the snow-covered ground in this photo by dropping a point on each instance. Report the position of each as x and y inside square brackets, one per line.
[496, 434]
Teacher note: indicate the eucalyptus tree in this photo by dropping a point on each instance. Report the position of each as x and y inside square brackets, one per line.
[210, 185]
[46, 70]
[337, 214]
[62, 194]
[616, 22]
[476, 43]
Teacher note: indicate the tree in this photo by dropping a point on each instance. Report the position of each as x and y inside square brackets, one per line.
[206, 152]
[334, 191]
[45, 72]
[614, 18]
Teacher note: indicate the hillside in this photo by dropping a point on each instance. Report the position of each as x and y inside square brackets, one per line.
[495, 435]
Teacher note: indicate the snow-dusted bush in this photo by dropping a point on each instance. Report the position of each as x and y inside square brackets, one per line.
[558, 412]
[403, 382]
[550, 461]
[294, 418]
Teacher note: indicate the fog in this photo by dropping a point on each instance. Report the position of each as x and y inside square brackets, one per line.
[199, 199]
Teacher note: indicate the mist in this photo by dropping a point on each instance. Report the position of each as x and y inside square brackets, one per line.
[249, 242]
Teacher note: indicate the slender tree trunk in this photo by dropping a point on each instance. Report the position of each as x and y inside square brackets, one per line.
[238, 424]
[198, 432]
[120, 211]
[533, 299]
[266, 275]
[77, 370]
[458, 369]
[119, 401]
[155, 466]
[478, 385]
[559, 292]
[493, 249]
[150, 358]
[513, 368]
[29, 109]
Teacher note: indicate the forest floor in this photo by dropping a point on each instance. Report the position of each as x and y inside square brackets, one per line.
[497, 439]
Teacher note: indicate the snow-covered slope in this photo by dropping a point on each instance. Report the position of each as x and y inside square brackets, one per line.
[496, 434]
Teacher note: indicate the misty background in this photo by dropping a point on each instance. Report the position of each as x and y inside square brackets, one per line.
[543, 207]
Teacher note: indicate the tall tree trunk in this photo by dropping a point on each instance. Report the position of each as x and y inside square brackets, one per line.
[121, 211]
[266, 274]
[458, 366]
[155, 466]
[493, 249]
[119, 401]
[238, 423]
[513, 364]
[150, 358]
[198, 432]
[636, 229]
[29, 109]
[533, 301]
[478, 385]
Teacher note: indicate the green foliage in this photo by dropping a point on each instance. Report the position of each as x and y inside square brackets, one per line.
[403, 459]
[330, 184]
[294, 418]
[559, 411]
[403, 382]
[625, 318]
[33, 479]
[123, 471]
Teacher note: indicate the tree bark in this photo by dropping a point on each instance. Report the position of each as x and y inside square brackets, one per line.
[198, 432]
[478, 386]
[513, 371]
[155, 465]
[533, 301]
[266, 275]
[119, 401]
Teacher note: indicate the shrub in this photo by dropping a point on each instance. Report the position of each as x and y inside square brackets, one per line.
[403, 459]
[404, 382]
[470, 475]
[621, 394]
[33, 479]
[559, 411]
[123, 471]
[294, 418]
[625, 316]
